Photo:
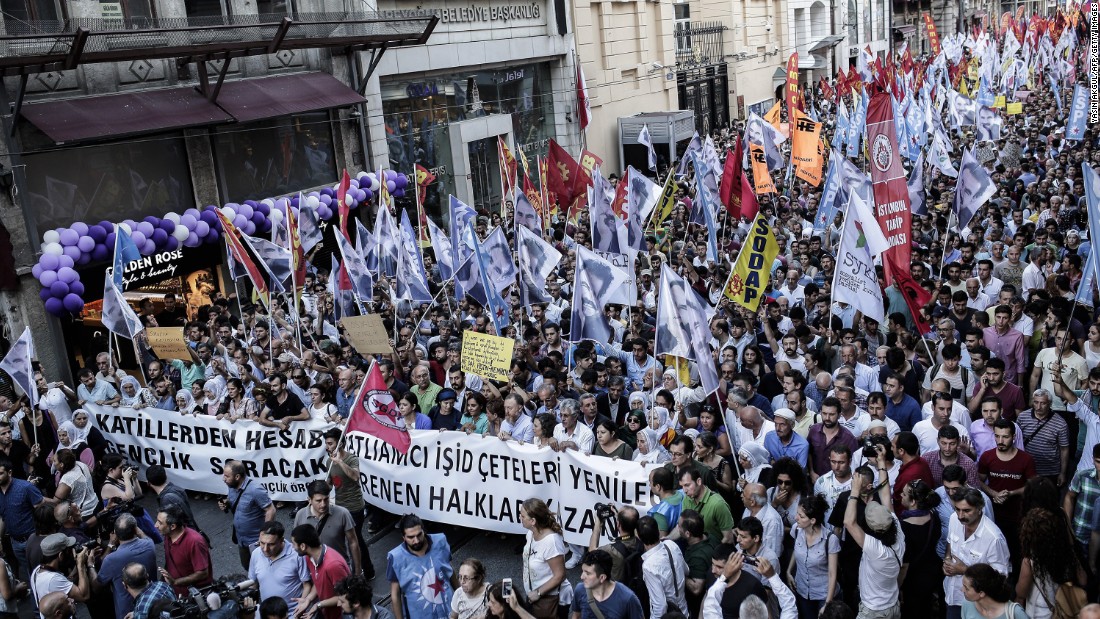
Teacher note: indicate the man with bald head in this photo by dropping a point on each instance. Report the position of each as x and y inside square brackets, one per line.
[347, 384]
[57, 605]
[754, 427]
[755, 498]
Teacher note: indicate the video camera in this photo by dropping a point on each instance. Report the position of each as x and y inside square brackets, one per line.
[222, 599]
[106, 518]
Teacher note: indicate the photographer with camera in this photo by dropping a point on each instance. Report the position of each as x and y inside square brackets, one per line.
[128, 545]
[622, 523]
[250, 505]
[60, 565]
[186, 553]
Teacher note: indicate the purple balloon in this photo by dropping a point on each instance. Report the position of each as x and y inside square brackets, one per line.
[72, 252]
[328, 191]
[159, 237]
[246, 210]
[47, 278]
[263, 208]
[110, 241]
[67, 275]
[188, 221]
[369, 195]
[85, 244]
[65, 261]
[77, 288]
[84, 259]
[59, 289]
[108, 226]
[98, 233]
[36, 270]
[80, 227]
[327, 200]
[258, 218]
[249, 227]
[192, 240]
[239, 220]
[251, 203]
[194, 212]
[202, 229]
[324, 212]
[138, 237]
[100, 252]
[152, 220]
[49, 262]
[209, 217]
[145, 228]
[391, 186]
[168, 226]
[294, 201]
[44, 294]
[171, 244]
[73, 303]
[214, 236]
[54, 306]
[69, 237]
[148, 248]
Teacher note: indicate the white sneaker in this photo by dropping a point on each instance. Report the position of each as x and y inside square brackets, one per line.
[574, 561]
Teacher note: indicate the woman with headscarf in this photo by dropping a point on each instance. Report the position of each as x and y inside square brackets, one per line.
[660, 423]
[185, 402]
[86, 434]
[71, 438]
[214, 392]
[133, 395]
[753, 458]
[650, 450]
[635, 421]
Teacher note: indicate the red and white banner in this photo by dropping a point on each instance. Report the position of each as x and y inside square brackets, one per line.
[888, 177]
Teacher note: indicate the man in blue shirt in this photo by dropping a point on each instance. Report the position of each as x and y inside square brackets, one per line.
[900, 406]
[133, 547]
[18, 498]
[421, 558]
[251, 507]
[91, 389]
[614, 600]
[146, 595]
[785, 442]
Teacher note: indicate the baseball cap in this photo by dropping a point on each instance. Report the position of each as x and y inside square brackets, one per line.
[878, 517]
[55, 543]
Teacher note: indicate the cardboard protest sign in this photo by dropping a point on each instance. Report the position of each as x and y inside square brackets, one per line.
[168, 342]
[487, 356]
[367, 334]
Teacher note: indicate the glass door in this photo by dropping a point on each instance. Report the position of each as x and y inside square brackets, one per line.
[485, 174]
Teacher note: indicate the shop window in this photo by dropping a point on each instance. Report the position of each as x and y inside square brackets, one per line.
[274, 157]
[19, 15]
[276, 9]
[122, 180]
[206, 8]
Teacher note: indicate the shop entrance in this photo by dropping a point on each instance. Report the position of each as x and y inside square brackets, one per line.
[485, 173]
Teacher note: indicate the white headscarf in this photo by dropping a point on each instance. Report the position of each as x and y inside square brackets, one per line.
[215, 386]
[663, 423]
[655, 451]
[189, 407]
[126, 399]
[758, 457]
[76, 435]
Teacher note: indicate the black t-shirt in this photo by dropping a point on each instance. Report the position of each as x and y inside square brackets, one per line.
[738, 592]
[18, 456]
[849, 549]
[289, 408]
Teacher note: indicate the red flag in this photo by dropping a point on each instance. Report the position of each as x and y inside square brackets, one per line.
[793, 90]
[297, 253]
[620, 196]
[916, 297]
[374, 412]
[244, 257]
[889, 181]
[584, 107]
[342, 205]
[749, 206]
[731, 178]
[562, 172]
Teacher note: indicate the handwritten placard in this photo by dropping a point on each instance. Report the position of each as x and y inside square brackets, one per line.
[168, 342]
[487, 356]
[367, 334]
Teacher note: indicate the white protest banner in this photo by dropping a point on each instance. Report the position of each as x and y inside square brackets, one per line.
[194, 450]
[481, 482]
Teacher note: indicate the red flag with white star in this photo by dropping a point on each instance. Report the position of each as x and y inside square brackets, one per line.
[374, 412]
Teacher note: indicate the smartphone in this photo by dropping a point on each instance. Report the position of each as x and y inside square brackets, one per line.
[506, 588]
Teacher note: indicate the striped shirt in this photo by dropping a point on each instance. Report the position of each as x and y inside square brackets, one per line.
[1043, 440]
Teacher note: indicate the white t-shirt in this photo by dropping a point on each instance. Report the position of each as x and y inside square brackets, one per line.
[79, 479]
[46, 581]
[929, 436]
[878, 571]
[536, 557]
[466, 607]
[56, 402]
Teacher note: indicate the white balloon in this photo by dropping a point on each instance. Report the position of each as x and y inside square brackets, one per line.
[276, 216]
[228, 212]
[172, 217]
[51, 236]
[53, 248]
[125, 226]
[312, 201]
[361, 174]
[268, 201]
[181, 233]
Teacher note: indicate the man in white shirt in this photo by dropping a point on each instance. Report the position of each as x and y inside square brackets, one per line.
[975, 298]
[971, 538]
[883, 546]
[839, 478]
[663, 569]
[754, 427]
[569, 434]
[516, 425]
[928, 430]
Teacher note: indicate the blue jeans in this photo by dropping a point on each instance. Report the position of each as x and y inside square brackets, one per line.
[20, 550]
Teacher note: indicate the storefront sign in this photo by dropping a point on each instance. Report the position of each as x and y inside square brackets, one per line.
[487, 13]
[157, 267]
[417, 90]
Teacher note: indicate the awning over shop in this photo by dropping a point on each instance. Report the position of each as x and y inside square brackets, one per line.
[284, 95]
[826, 43]
[149, 111]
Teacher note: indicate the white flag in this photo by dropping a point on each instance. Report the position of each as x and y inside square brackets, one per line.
[972, 190]
[537, 260]
[854, 279]
[118, 316]
[608, 232]
[611, 283]
[939, 157]
[682, 326]
[17, 365]
[499, 265]
[645, 140]
[442, 247]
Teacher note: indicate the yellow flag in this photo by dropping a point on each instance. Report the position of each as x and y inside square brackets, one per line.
[750, 274]
[773, 116]
[665, 202]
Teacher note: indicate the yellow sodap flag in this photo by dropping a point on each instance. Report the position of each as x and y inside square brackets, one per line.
[750, 275]
[665, 203]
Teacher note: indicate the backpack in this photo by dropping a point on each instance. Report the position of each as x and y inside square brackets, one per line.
[964, 375]
[1069, 599]
[632, 570]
